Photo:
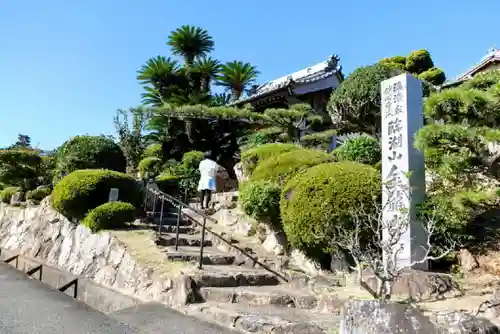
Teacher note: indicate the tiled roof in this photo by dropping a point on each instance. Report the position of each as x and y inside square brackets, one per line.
[492, 56]
[310, 74]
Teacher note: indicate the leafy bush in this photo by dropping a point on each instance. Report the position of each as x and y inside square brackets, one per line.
[322, 198]
[110, 215]
[39, 193]
[149, 167]
[251, 158]
[260, 200]
[263, 136]
[280, 168]
[321, 140]
[454, 151]
[457, 216]
[88, 152]
[192, 159]
[363, 149]
[355, 105]
[471, 107]
[153, 150]
[482, 81]
[20, 167]
[46, 170]
[6, 194]
[86, 189]
[419, 61]
[433, 75]
[398, 62]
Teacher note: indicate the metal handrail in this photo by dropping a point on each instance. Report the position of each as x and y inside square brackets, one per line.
[179, 204]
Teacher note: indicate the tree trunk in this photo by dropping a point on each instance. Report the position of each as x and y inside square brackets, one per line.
[235, 95]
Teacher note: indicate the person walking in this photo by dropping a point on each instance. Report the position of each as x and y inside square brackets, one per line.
[208, 169]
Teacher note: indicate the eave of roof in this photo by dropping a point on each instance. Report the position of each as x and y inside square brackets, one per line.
[311, 74]
[492, 57]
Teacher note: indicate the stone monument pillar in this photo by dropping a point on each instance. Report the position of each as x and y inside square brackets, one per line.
[403, 169]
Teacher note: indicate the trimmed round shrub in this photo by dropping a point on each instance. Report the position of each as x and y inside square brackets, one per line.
[110, 215]
[433, 75]
[363, 149]
[322, 198]
[149, 167]
[86, 189]
[6, 194]
[251, 158]
[260, 200]
[280, 168]
[39, 193]
[88, 152]
[419, 61]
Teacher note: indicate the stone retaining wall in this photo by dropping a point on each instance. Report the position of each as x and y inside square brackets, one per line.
[40, 233]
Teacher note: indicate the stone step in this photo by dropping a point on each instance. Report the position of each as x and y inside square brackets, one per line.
[168, 239]
[261, 295]
[266, 319]
[232, 276]
[170, 220]
[190, 229]
[192, 254]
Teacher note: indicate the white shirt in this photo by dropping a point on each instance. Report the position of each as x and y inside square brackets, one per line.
[208, 169]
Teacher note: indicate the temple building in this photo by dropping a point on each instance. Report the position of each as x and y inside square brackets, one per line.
[489, 62]
[311, 85]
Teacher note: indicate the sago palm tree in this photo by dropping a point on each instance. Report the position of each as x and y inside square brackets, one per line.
[220, 100]
[161, 78]
[207, 69]
[236, 76]
[156, 70]
[190, 42]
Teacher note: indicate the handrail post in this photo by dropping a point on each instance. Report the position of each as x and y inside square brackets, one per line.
[179, 210]
[146, 195]
[202, 242]
[161, 217]
[33, 270]
[154, 206]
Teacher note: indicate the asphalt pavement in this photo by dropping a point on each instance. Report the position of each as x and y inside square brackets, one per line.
[28, 306]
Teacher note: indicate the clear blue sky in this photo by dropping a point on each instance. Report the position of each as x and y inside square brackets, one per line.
[66, 66]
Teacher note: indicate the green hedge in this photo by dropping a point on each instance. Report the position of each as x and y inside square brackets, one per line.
[363, 149]
[251, 158]
[317, 200]
[39, 193]
[86, 189]
[6, 194]
[282, 167]
[169, 183]
[110, 215]
[260, 200]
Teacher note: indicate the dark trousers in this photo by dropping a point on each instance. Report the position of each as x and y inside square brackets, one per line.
[205, 197]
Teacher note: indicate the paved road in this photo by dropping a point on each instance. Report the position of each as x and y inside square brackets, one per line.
[30, 307]
[155, 318]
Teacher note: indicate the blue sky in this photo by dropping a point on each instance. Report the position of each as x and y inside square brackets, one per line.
[67, 66]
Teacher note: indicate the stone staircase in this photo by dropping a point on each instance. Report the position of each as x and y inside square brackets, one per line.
[241, 291]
